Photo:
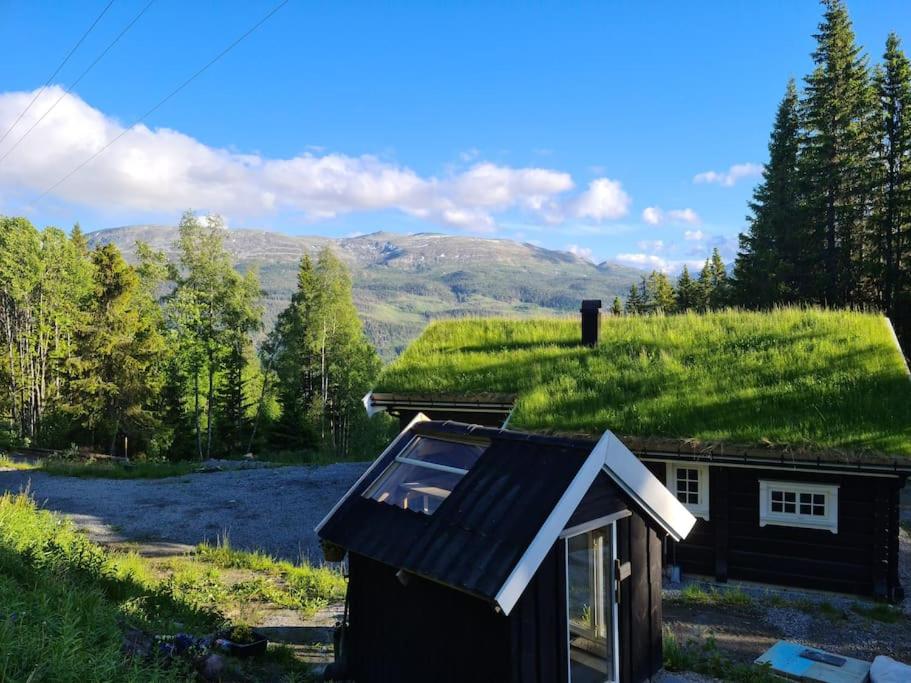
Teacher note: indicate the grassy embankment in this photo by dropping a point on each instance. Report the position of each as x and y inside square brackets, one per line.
[802, 378]
[65, 602]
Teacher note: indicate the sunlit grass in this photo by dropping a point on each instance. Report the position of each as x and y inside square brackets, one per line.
[66, 602]
[796, 377]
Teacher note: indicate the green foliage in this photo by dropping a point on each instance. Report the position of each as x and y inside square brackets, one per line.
[696, 594]
[705, 658]
[805, 378]
[116, 369]
[103, 469]
[62, 600]
[879, 612]
[322, 360]
[831, 219]
[66, 603]
[300, 586]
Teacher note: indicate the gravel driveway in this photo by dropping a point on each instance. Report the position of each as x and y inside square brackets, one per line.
[273, 509]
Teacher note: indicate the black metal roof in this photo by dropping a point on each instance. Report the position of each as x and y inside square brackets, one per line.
[480, 532]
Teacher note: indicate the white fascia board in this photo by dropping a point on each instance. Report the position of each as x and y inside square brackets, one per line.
[369, 407]
[404, 434]
[547, 535]
[643, 487]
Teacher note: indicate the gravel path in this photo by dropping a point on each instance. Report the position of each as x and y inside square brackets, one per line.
[273, 509]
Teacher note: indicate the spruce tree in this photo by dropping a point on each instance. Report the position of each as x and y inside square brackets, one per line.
[770, 266]
[891, 233]
[616, 308]
[633, 301]
[687, 294]
[661, 293]
[836, 160]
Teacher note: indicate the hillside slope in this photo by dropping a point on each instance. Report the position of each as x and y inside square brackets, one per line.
[403, 281]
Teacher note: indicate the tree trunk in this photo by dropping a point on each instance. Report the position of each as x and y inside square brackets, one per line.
[196, 411]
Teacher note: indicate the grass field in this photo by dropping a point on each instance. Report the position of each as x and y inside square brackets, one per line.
[65, 602]
[803, 378]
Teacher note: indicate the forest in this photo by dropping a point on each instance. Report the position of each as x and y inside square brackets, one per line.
[168, 359]
[830, 222]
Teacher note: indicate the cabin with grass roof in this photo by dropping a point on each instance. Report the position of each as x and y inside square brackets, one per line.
[787, 433]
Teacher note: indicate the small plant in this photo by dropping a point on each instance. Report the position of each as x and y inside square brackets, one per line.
[879, 612]
[697, 594]
[706, 658]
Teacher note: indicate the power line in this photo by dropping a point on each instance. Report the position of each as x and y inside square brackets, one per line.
[161, 102]
[57, 70]
[76, 82]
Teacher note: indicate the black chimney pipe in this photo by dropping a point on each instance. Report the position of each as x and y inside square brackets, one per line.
[591, 321]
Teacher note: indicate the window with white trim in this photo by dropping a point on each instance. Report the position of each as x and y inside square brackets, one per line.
[811, 506]
[424, 474]
[689, 483]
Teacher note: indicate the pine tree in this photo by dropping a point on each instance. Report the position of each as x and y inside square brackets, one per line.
[687, 294]
[616, 308]
[661, 293]
[633, 301]
[838, 113]
[891, 233]
[116, 369]
[770, 266]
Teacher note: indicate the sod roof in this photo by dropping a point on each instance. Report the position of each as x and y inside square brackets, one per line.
[811, 380]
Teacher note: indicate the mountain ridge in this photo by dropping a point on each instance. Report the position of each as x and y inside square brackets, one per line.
[403, 281]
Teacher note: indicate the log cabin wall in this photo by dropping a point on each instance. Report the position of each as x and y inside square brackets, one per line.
[862, 558]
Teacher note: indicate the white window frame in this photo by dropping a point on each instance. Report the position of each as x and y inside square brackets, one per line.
[701, 509]
[829, 522]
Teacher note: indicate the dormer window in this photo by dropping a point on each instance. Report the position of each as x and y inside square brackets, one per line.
[424, 473]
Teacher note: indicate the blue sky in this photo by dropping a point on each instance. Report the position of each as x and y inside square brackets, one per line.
[560, 124]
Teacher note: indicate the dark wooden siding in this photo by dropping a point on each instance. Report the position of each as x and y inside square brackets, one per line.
[860, 558]
[422, 632]
[639, 611]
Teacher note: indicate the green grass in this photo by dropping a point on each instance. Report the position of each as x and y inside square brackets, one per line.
[104, 469]
[65, 602]
[302, 586]
[707, 659]
[798, 377]
[695, 594]
[879, 612]
[6, 463]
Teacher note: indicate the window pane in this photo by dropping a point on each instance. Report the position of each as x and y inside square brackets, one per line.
[819, 499]
[589, 607]
[412, 487]
[790, 497]
[776, 506]
[776, 495]
[449, 453]
[790, 508]
[805, 509]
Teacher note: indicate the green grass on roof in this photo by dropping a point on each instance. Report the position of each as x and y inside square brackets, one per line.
[796, 377]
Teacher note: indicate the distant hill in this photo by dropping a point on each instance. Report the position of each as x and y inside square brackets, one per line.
[403, 281]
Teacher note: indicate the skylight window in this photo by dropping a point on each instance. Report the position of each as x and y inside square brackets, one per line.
[424, 473]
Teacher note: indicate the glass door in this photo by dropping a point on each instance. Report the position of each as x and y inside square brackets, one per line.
[591, 606]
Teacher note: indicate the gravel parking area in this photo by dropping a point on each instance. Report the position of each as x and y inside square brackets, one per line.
[272, 509]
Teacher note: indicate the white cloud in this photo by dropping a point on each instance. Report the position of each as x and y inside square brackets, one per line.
[654, 262]
[581, 252]
[161, 171]
[656, 216]
[652, 215]
[684, 216]
[694, 235]
[650, 245]
[604, 199]
[731, 176]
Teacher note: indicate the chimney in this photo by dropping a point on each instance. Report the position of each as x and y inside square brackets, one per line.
[591, 321]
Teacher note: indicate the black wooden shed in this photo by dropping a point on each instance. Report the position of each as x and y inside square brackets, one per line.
[483, 554]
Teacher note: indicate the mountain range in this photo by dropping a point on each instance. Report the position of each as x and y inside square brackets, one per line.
[403, 281]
